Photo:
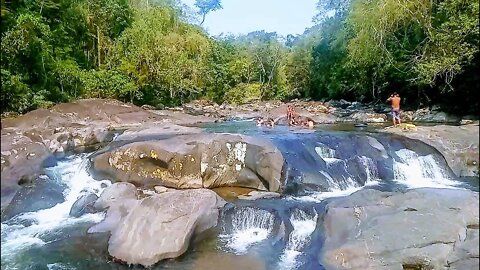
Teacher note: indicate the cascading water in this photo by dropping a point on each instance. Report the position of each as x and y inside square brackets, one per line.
[333, 163]
[417, 171]
[326, 153]
[370, 169]
[248, 226]
[344, 184]
[303, 226]
[38, 228]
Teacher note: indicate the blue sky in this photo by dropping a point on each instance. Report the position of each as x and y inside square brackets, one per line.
[244, 16]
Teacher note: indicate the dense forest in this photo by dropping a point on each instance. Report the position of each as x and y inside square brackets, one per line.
[156, 52]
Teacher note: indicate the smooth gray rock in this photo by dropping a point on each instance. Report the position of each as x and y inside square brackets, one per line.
[196, 161]
[382, 230]
[160, 226]
[471, 263]
[114, 193]
[83, 205]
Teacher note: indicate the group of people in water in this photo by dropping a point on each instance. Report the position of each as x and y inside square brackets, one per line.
[268, 122]
[292, 120]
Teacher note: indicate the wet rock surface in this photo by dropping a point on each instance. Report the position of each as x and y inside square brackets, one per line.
[83, 205]
[157, 227]
[423, 228]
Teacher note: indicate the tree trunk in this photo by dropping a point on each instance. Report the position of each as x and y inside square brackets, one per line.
[203, 18]
[99, 47]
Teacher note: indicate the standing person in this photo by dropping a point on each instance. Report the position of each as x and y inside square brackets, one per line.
[290, 112]
[395, 100]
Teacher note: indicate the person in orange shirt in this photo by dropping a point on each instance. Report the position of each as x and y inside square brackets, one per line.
[395, 100]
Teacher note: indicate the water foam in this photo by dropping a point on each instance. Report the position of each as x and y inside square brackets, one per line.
[345, 186]
[43, 224]
[249, 226]
[303, 226]
[417, 171]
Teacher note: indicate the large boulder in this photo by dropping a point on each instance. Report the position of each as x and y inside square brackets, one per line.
[383, 230]
[458, 144]
[21, 162]
[157, 227]
[196, 161]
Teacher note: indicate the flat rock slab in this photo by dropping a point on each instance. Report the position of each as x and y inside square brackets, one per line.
[152, 130]
[181, 118]
[426, 228]
[458, 144]
[157, 227]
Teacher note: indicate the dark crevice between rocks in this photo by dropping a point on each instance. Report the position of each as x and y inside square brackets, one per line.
[263, 181]
[473, 226]
[409, 266]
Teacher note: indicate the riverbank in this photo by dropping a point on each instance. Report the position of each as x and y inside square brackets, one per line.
[29, 140]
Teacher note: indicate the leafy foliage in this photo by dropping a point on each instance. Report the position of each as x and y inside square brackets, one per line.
[150, 52]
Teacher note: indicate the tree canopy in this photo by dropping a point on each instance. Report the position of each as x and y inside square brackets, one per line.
[151, 52]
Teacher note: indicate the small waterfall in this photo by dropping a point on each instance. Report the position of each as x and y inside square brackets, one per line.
[326, 153]
[370, 168]
[248, 226]
[420, 171]
[303, 226]
[38, 228]
[345, 185]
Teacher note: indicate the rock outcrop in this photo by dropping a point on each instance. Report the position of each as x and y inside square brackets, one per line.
[420, 229]
[157, 227]
[30, 139]
[458, 144]
[196, 161]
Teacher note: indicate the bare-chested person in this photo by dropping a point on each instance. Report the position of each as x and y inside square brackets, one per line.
[290, 113]
[395, 100]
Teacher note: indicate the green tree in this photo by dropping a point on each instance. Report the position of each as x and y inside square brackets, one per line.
[206, 6]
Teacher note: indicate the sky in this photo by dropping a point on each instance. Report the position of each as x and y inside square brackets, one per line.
[244, 16]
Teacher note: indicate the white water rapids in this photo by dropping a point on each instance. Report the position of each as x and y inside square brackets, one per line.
[417, 171]
[43, 224]
[250, 226]
[303, 226]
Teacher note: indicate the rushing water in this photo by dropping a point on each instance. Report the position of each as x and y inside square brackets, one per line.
[303, 226]
[277, 232]
[39, 228]
[248, 226]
